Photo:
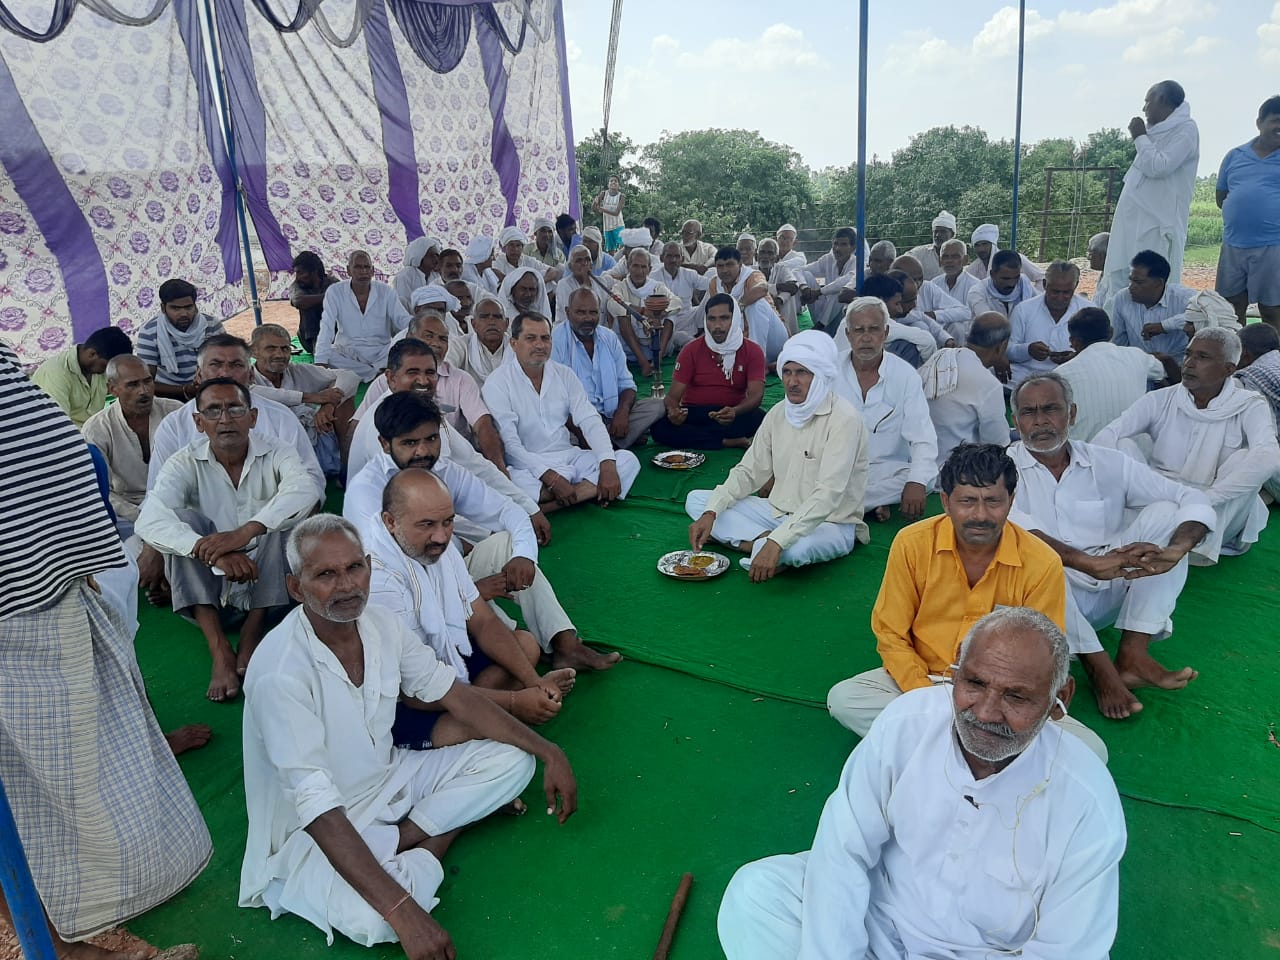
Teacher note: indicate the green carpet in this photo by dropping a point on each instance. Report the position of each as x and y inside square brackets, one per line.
[677, 773]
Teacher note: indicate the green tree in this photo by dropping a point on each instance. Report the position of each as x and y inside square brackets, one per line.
[731, 180]
[595, 167]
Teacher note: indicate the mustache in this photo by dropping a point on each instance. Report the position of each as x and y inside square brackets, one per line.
[995, 729]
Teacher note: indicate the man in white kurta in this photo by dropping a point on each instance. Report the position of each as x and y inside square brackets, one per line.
[954, 280]
[533, 398]
[630, 296]
[577, 278]
[1148, 310]
[937, 305]
[1039, 339]
[750, 288]
[1209, 433]
[1123, 533]
[695, 253]
[1106, 379]
[966, 401]
[361, 315]
[926, 849]
[1155, 202]
[889, 396]
[784, 283]
[835, 276]
[688, 285]
[929, 255]
[986, 244]
[421, 258]
[345, 831]
[814, 447]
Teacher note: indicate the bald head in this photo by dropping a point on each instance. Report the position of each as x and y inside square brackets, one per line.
[410, 487]
[910, 266]
[417, 511]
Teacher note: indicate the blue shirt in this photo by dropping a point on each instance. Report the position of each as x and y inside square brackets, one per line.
[604, 375]
[1251, 212]
[607, 263]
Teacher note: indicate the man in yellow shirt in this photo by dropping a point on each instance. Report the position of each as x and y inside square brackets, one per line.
[74, 378]
[946, 573]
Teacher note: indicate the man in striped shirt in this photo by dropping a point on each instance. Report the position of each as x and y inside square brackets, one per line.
[167, 343]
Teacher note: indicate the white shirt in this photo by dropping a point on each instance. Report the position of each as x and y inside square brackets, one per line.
[1129, 317]
[1228, 450]
[896, 415]
[365, 447]
[1106, 380]
[299, 379]
[110, 432]
[315, 742]
[971, 412]
[684, 285]
[532, 422]
[567, 287]
[980, 300]
[965, 281]
[457, 395]
[472, 498]
[904, 864]
[275, 422]
[1096, 497]
[1030, 322]
[927, 256]
[946, 308]
[274, 490]
[363, 335]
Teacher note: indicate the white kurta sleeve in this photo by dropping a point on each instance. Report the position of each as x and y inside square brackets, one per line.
[477, 502]
[1135, 421]
[328, 323]
[158, 522]
[1246, 470]
[921, 437]
[1159, 161]
[841, 450]
[504, 405]
[295, 494]
[471, 460]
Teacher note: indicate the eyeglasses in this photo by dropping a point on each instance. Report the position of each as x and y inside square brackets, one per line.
[215, 413]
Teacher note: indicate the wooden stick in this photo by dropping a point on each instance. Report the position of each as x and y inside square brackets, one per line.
[673, 917]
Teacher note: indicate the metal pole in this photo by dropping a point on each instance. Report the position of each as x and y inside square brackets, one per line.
[20, 891]
[230, 140]
[863, 9]
[1017, 123]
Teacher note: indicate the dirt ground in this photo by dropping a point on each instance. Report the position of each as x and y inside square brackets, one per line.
[116, 939]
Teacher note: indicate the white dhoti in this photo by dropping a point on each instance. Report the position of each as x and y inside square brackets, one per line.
[1144, 605]
[1240, 519]
[885, 480]
[575, 466]
[438, 790]
[855, 703]
[766, 329]
[750, 517]
[760, 914]
[542, 612]
[365, 358]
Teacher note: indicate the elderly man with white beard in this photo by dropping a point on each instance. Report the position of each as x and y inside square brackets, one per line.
[964, 826]
[695, 253]
[1123, 532]
[687, 284]
[954, 280]
[814, 447]
[902, 446]
[637, 295]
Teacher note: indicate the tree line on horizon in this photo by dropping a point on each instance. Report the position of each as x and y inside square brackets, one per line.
[736, 180]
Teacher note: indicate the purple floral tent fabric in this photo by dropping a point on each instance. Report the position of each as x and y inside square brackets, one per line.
[113, 177]
[372, 122]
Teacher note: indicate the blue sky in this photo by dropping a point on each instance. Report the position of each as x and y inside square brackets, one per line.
[790, 70]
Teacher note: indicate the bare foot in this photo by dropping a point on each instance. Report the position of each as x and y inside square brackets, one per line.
[563, 679]
[225, 682]
[880, 514]
[533, 705]
[516, 808]
[577, 655]
[191, 737]
[243, 653]
[1114, 699]
[1142, 670]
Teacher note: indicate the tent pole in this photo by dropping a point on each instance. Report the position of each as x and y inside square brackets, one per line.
[20, 891]
[1017, 123]
[230, 140]
[863, 8]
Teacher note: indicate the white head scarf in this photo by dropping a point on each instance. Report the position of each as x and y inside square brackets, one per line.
[636, 237]
[593, 233]
[989, 232]
[816, 352]
[479, 250]
[945, 219]
[785, 227]
[1208, 309]
[480, 361]
[727, 351]
[417, 249]
[434, 293]
[540, 303]
[512, 233]
[540, 222]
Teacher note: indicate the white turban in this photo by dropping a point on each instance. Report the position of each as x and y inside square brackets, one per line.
[1209, 309]
[540, 222]
[593, 233]
[746, 236]
[479, 250]
[636, 237]
[419, 248]
[945, 219]
[434, 293]
[988, 232]
[816, 352]
[512, 233]
[785, 227]
[541, 305]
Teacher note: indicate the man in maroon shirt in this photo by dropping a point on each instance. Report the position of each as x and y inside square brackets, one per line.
[715, 394]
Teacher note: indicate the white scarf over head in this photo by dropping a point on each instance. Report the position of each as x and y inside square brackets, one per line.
[512, 233]
[816, 352]
[434, 293]
[169, 339]
[540, 302]
[727, 351]
[1208, 309]
[940, 374]
[478, 250]
[419, 248]
[479, 359]
[945, 219]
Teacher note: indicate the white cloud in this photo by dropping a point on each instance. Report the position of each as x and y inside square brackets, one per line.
[1203, 45]
[999, 35]
[1154, 46]
[573, 52]
[1135, 18]
[1269, 38]
[779, 48]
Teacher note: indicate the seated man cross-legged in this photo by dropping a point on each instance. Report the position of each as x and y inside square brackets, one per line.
[418, 573]
[943, 575]
[1123, 532]
[345, 831]
[217, 512]
[963, 826]
[813, 447]
[717, 385]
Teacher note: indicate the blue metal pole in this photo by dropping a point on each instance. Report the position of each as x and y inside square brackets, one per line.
[863, 9]
[230, 140]
[20, 891]
[1017, 123]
